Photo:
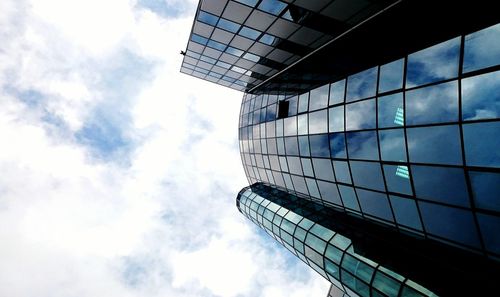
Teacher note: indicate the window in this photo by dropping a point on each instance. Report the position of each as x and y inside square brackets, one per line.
[342, 172]
[207, 18]
[336, 119]
[303, 102]
[362, 85]
[449, 222]
[249, 32]
[405, 212]
[337, 90]
[349, 197]
[337, 145]
[329, 192]
[438, 62]
[307, 167]
[489, 226]
[434, 104]
[486, 189]
[480, 96]
[304, 146]
[362, 145]
[294, 165]
[367, 175]
[319, 145]
[441, 184]
[323, 169]
[318, 122]
[440, 145]
[481, 144]
[272, 6]
[302, 124]
[397, 178]
[361, 115]
[319, 98]
[390, 111]
[481, 49]
[391, 76]
[392, 145]
[386, 284]
[291, 146]
[290, 126]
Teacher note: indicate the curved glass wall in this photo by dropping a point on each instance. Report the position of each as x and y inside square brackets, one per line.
[330, 253]
[412, 143]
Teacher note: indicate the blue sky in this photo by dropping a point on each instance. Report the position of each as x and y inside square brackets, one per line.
[119, 172]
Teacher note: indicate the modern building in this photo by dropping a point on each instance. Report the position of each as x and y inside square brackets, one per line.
[385, 115]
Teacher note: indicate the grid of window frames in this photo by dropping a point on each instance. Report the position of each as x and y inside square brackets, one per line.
[240, 43]
[327, 252]
[413, 143]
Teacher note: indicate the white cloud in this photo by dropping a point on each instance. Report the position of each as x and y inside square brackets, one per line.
[70, 223]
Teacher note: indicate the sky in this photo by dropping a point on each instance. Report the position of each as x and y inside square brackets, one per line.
[118, 174]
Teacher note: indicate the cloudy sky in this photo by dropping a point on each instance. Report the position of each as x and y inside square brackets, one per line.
[118, 174]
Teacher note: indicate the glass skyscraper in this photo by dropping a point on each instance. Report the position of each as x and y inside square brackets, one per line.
[396, 134]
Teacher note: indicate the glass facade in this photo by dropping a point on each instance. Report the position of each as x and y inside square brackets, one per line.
[239, 44]
[301, 227]
[412, 143]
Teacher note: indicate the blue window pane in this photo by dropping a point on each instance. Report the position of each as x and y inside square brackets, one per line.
[349, 197]
[391, 76]
[337, 91]
[337, 145]
[329, 192]
[292, 105]
[361, 115]
[251, 57]
[441, 184]
[291, 146]
[486, 189]
[440, 145]
[449, 222]
[199, 39]
[342, 172]
[405, 211]
[319, 98]
[248, 2]
[208, 59]
[208, 18]
[482, 49]
[234, 51]
[362, 84]
[223, 64]
[480, 97]
[249, 32]
[271, 113]
[228, 25]
[303, 102]
[392, 145]
[304, 146]
[375, 204]
[216, 45]
[318, 122]
[320, 146]
[390, 111]
[307, 167]
[397, 178]
[482, 144]
[434, 104]
[438, 62]
[367, 175]
[267, 39]
[336, 119]
[323, 169]
[272, 6]
[362, 145]
[489, 226]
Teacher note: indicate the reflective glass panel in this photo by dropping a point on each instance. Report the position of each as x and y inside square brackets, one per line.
[342, 172]
[367, 175]
[489, 226]
[318, 122]
[291, 146]
[318, 98]
[480, 97]
[362, 145]
[405, 211]
[362, 84]
[303, 102]
[482, 143]
[440, 145]
[307, 167]
[272, 6]
[482, 49]
[304, 146]
[438, 62]
[390, 111]
[294, 165]
[349, 197]
[375, 204]
[320, 146]
[323, 169]
[249, 32]
[292, 105]
[329, 192]
[486, 189]
[337, 91]
[207, 18]
[361, 115]
[391, 76]
[434, 104]
[228, 25]
[442, 184]
[336, 119]
[397, 178]
[449, 222]
[386, 284]
[337, 145]
[290, 126]
[392, 145]
[302, 124]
